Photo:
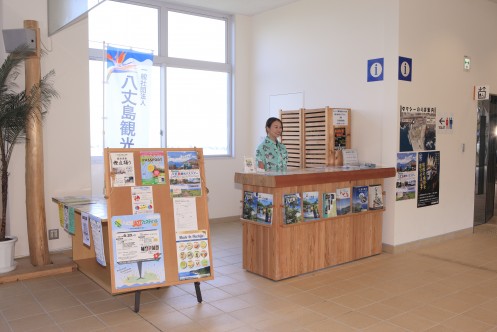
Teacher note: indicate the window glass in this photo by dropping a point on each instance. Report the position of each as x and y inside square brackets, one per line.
[125, 25]
[197, 110]
[196, 37]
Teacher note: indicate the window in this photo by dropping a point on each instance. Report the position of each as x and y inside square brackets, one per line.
[191, 75]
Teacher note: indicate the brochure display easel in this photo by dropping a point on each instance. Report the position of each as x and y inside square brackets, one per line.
[156, 230]
[290, 228]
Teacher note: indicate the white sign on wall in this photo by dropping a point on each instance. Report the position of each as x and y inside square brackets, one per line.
[481, 92]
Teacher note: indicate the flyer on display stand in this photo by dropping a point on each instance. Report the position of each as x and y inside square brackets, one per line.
[142, 199]
[184, 174]
[98, 239]
[122, 169]
[85, 228]
[185, 213]
[152, 167]
[138, 252]
[192, 248]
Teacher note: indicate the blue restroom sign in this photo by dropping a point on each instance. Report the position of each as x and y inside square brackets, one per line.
[375, 70]
[405, 69]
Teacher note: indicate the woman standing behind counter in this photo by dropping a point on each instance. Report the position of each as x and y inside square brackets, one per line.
[271, 155]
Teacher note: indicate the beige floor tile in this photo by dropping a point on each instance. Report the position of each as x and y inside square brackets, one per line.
[182, 302]
[329, 325]
[169, 320]
[100, 307]
[94, 296]
[22, 310]
[357, 320]
[220, 323]
[68, 314]
[230, 304]
[56, 303]
[136, 326]
[117, 317]
[31, 323]
[466, 324]
[483, 315]
[432, 313]
[352, 301]
[385, 327]
[251, 315]
[91, 323]
[304, 299]
[201, 311]
[214, 294]
[380, 311]
[154, 308]
[412, 322]
[329, 308]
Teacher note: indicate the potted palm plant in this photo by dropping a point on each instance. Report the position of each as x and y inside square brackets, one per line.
[17, 107]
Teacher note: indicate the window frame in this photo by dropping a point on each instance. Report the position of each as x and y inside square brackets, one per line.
[163, 61]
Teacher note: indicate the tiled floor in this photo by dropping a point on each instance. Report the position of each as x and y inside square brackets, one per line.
[451, 286]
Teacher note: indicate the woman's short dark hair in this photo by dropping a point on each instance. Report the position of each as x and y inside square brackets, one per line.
[270, 121]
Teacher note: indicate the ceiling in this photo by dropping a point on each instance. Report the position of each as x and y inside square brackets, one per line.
[243, 7]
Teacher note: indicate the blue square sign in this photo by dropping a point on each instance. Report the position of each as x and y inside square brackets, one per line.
[375, 70]
[405, 69]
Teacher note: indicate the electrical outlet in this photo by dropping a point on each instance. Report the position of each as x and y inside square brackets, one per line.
[53, 234]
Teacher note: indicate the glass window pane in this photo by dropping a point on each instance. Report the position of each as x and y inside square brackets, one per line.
[196, 37]
[197, 114]
[124, 25]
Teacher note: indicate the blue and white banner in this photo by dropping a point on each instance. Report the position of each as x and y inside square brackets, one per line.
[127, 98]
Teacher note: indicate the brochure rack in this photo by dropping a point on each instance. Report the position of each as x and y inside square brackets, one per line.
[154, 222]
[313, 136]
[277, 250]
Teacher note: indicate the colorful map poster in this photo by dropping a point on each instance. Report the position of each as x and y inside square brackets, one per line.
[138, 252]
[417, 128]
[192, 248]
[184, 174]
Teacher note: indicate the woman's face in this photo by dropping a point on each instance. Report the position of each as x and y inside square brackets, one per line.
[275, 130]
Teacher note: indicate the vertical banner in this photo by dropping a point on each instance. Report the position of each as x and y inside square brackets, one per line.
[127, 98]
[428, 178]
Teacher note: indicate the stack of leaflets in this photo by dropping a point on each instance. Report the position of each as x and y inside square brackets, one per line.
[343, 201]
[359, 198]
[375, 197]
[292, 209]
[329, 205]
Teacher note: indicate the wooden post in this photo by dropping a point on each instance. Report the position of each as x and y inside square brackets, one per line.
[35, 191]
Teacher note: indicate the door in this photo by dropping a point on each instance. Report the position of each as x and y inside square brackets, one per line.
[485, 160]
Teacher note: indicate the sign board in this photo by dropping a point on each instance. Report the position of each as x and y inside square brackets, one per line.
[481, 92]
[405, 69]
[375, 70]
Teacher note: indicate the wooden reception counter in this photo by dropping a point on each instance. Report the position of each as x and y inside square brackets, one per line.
[277, 250]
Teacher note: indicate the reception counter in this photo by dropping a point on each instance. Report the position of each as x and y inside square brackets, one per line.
[277, 250]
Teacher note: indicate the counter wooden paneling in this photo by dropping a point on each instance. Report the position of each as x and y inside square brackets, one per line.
[280, 251]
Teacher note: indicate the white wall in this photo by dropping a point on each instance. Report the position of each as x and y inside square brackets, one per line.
[66, 128]
[437, 35]
[321, 47]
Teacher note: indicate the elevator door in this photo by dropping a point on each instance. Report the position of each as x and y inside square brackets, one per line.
[485, 160]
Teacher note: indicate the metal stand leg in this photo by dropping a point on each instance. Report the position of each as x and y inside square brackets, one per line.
[197, 291]
[137, 300]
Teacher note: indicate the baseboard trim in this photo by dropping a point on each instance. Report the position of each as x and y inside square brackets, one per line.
[224, 219]
[402, 248]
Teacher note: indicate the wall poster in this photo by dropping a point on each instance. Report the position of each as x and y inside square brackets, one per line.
[428, 178]
[405, 187]
[417, 128]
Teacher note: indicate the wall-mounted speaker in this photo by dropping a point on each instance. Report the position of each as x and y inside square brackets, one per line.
[13, 38]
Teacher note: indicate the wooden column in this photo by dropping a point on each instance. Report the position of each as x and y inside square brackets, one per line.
[35, 189]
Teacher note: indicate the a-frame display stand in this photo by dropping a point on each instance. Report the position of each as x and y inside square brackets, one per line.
[158, 226]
